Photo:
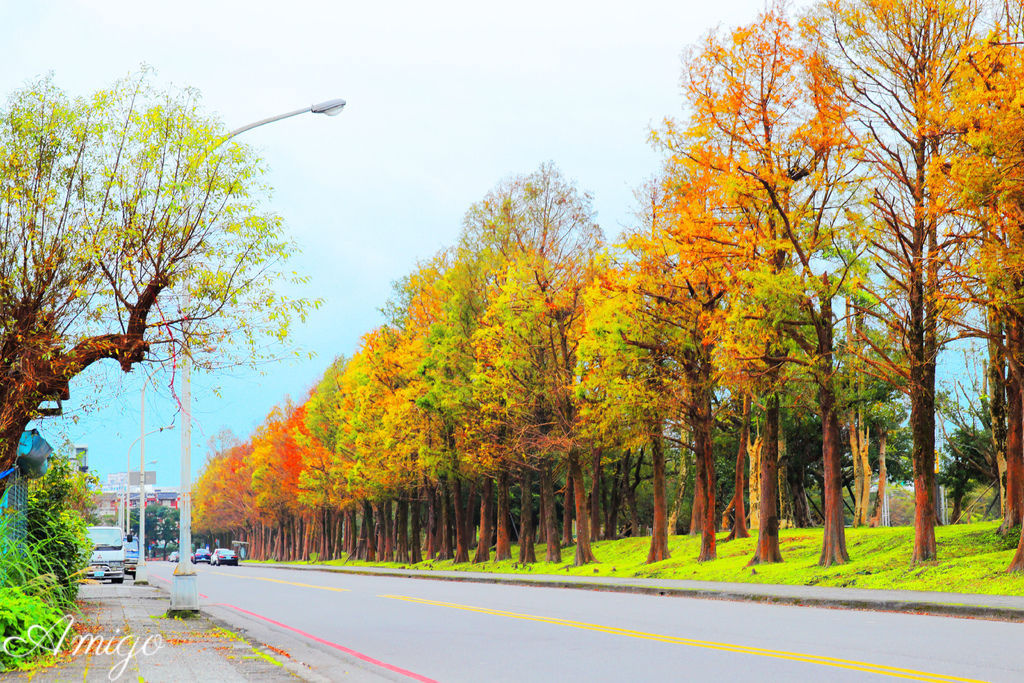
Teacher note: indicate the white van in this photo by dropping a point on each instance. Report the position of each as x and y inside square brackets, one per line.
[107, 561]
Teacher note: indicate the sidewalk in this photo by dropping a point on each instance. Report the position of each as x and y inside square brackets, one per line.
[1003, 607]
[192, 649]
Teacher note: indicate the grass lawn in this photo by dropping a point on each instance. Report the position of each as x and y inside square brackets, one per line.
[972, 559]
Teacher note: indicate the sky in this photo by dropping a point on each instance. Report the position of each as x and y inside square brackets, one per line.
[445, 99]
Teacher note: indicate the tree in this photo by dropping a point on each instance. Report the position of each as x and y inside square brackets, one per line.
[985, 182]
[898, 60]
[112, 207]
[629, 380]
[162, 526]
[530, 332]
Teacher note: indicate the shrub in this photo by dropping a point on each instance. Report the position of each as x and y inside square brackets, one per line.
[39, 576]
[19, 611]
[56, 530]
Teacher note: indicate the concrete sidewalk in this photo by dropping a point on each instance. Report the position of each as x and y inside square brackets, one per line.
[192, 649]
[1003, 607]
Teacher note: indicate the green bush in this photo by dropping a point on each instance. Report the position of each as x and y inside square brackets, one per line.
[56, 531]
[39, 577]
[19, 611]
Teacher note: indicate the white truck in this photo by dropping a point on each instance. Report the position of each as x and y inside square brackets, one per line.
[108, 557]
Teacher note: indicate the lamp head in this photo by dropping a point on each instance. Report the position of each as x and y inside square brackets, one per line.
[330, 107]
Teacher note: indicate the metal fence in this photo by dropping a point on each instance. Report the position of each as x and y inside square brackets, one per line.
[12, 508]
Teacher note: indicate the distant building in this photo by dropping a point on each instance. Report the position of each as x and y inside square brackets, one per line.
[109, 502]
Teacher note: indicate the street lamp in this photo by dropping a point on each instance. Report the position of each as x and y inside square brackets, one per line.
[127, 475]
[184, 589]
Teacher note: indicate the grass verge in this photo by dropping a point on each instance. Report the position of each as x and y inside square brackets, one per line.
[972, 559]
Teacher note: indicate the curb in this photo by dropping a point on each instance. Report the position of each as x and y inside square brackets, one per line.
[737, 595]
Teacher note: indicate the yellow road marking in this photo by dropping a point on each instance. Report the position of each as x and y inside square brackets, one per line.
[879, 669]
[289, 583]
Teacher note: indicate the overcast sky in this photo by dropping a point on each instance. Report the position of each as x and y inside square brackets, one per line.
[445, 99]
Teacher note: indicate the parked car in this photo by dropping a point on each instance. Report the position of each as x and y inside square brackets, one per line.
[224, 556]
[201, 555]
[173, 557]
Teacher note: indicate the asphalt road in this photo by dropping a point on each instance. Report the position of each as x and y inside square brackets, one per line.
[348, 627]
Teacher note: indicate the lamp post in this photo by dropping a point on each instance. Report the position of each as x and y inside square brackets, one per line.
[184, 589]
[141, 577]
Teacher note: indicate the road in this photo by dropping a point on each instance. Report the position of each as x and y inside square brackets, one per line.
[348, 627]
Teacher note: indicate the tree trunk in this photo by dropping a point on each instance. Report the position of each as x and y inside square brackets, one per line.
[833, 547]
[634, 509]
[553, 550]
[767, 549]
[785, 494]
[659, 530]
[697, 515]
[387, 531]
[433, 539]
[754, 451]
[567, 509]
[371, 541]
[876, 518]
[503, 544]
[677, 506]
[461, 526]
[414, 541]
[527, 553]
[542, 517]
[996, 376]
[922, 427]
[595, 495]
[1014, 508]
[797, 485]
[703, 426]
[402, 522]
[739, 515]
[584, 555]
[445, 552]
[483, 546]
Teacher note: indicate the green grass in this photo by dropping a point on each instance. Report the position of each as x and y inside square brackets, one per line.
[972, 559]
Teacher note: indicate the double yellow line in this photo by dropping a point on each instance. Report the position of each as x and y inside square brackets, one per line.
[866, 667]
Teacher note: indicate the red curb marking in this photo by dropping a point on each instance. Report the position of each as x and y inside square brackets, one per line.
[156, 576]
[346, 650]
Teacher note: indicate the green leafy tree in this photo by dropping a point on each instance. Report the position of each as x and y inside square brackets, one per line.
[113, 207]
